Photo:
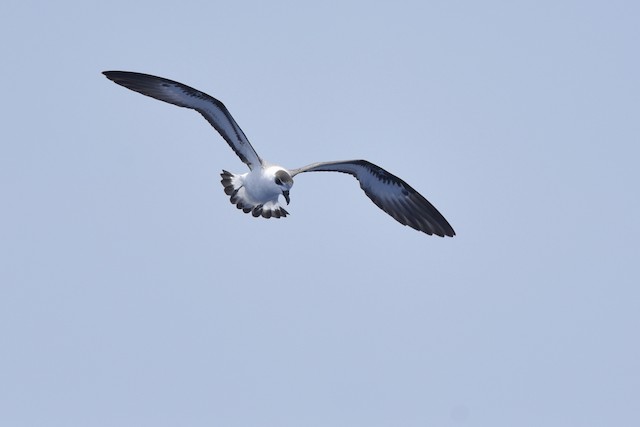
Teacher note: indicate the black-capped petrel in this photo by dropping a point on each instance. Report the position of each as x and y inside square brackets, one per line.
[258, 190]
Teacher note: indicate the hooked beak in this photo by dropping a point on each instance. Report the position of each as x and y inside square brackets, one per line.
[285, 193]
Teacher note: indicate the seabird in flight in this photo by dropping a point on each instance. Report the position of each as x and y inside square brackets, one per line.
[258, 190]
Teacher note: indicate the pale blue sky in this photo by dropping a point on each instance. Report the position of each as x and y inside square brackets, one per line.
[132, 293]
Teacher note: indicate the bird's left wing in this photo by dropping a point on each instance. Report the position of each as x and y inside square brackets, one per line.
[391, 194]
[184, 96]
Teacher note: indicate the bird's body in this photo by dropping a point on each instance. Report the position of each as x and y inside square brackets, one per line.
[258, 191]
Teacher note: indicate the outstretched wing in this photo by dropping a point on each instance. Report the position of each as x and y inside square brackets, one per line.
[184, 96]
[391, 194]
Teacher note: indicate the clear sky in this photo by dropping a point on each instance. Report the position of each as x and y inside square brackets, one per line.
[132, 293]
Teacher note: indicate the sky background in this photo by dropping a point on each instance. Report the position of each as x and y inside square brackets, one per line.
[132, 293]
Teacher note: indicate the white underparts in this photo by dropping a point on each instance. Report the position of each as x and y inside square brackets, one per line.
[234, 187]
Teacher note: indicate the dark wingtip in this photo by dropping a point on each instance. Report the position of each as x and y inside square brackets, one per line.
[112, 75]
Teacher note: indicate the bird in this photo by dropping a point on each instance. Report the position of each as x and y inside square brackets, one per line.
[258, 191]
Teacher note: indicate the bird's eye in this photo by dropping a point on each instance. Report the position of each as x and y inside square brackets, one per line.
[278, 182]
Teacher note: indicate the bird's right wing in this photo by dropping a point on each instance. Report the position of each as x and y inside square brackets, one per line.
[391, 194]
[184, 96]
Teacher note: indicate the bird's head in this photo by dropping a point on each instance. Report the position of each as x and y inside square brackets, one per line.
[283, 180]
